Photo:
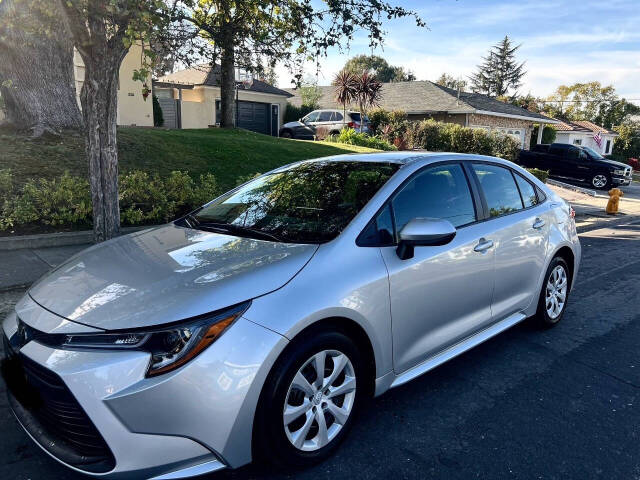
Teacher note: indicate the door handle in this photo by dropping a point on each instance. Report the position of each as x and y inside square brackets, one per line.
[538, 224]
[483, 245]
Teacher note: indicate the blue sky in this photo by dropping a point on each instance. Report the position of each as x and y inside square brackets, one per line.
[563, 41]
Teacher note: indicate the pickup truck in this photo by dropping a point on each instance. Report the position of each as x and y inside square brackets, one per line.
[576, 163]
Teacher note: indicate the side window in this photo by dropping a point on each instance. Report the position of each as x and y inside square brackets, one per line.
[337, 117]
[572, 152]
[438, 192]
[528, 192]
[325, 117]
[499, 189]
[557, 150]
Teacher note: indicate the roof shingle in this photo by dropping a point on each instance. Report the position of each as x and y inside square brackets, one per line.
[427, 97]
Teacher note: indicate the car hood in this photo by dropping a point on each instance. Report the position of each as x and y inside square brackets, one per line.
[293, 124]
[165, 274]
[612, 163]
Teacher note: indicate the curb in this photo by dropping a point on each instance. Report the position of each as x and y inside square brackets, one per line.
[60, 239]
[586, 191]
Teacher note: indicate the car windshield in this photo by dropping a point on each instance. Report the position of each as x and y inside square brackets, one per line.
[592, 153]
[310, 202]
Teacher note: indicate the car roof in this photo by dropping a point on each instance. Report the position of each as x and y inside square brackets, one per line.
[405, 158]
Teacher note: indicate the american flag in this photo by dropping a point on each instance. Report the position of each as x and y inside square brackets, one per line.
[598, 139]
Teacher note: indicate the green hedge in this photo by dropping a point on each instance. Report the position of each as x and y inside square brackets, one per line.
[293, 113]
[65, 201]
[353, 137]
[541, 175]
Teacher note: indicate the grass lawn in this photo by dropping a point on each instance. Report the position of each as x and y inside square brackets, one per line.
[228, 154]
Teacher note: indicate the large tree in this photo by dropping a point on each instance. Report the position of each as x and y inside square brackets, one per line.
[589, 101]
[103, 31]
[450, 81]
[499, 72]
[36, 67]
[379, 67]
[254, 34]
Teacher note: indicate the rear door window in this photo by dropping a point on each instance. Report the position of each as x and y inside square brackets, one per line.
[325, 116]
[337, 117]
[499, 189]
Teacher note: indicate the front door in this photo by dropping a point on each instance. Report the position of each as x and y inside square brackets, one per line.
[275, 119]
[442, 294]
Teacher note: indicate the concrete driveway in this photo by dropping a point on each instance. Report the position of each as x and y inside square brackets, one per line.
[553, 404]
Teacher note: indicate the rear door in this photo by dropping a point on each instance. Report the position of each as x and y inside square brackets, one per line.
[518, 225]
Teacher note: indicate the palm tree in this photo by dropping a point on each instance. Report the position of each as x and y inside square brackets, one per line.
[368, 93]
[346, 89]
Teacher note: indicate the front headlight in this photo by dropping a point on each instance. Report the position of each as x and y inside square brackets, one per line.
[170, 346]
[618, 172]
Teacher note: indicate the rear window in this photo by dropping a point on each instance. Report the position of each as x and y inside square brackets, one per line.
[355, 116]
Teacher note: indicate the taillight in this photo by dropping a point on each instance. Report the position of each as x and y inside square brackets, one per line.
[351, 124]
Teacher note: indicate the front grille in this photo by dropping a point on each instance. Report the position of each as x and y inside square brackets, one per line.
[51, 414]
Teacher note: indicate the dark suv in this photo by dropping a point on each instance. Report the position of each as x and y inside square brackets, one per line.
[577, 164]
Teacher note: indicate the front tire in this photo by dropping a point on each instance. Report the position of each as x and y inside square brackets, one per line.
[286, 134]
[555, 293]
[601, 181]
[302, 416]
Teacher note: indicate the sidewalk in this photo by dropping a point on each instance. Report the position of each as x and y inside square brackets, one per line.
[20, 268]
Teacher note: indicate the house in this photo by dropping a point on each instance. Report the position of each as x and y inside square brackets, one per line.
[587, 134]
[190, 98]
[424, 99]
[133, 108]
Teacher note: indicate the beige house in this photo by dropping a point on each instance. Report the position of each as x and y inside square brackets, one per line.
[133, 109]
[424, 99]
[190, 98]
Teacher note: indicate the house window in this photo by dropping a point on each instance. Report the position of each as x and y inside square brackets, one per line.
[577, 141]
[516, 133]
[607, 149]
[218, 111]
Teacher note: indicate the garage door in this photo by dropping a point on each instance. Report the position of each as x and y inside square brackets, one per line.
[254, 116]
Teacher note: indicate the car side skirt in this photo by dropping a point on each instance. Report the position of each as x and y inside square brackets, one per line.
[457, 349]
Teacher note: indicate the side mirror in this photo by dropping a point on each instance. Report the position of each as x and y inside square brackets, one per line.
[421, 232]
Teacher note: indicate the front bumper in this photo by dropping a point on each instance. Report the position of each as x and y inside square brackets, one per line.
[621, 180]
[195, 420]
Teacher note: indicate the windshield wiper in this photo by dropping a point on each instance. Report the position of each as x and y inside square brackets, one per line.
[233, 228]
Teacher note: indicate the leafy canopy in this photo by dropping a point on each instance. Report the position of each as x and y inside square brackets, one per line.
[379, 67]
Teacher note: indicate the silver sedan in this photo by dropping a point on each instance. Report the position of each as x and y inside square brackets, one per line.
[255, 326]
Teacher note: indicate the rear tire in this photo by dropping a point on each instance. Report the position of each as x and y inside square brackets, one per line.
[288, 428]
[554, 294]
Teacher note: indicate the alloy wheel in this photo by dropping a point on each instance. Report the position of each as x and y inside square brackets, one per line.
[599, 181]
[319, 401]
[556, 292]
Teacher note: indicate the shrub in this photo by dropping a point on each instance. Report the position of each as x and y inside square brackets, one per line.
[634, 163]
[66, 202]
[352, 137]
[450, 137]
[548, 135]
[377, 118]
[158, 118]
[293, 113]
[63, 201]
[541, 175]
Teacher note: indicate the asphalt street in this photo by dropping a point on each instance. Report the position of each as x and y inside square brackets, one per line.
[530, 403]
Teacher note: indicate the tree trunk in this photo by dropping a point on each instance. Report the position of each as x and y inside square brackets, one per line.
[99, 99]
[228, 87]
[36, 67]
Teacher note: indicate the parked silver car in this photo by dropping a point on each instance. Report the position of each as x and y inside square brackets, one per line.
[332, 121]
[256, 326]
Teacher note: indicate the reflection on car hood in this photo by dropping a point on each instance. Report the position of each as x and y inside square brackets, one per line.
[166, 274]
